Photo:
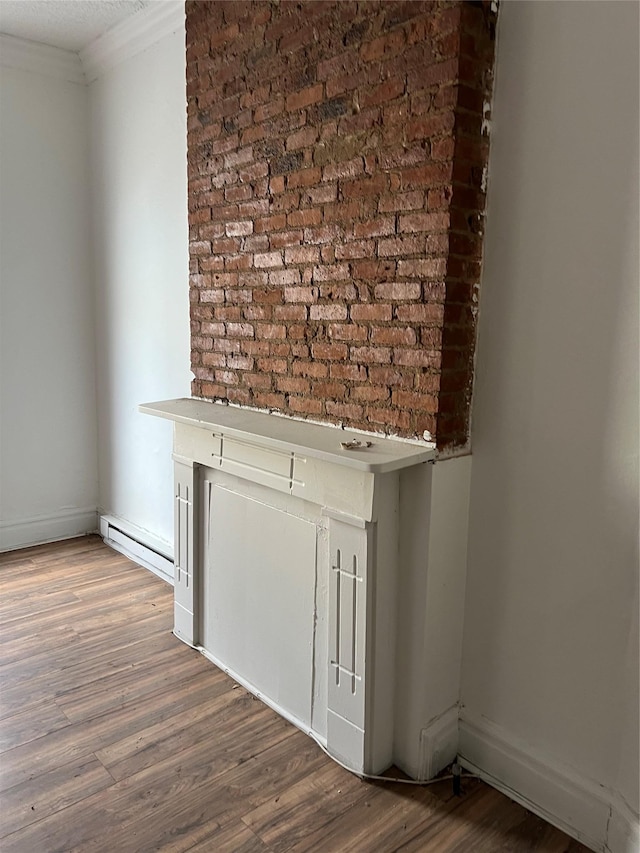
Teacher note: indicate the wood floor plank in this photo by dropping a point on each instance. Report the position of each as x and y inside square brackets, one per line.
[306, 807]
[88, 735]
[117, 738]
[393, 816]
[149, 804]
[219, 712]
[30, 723]
[54, 684]
[226, 797]
[81, 662]
[52, 792]
[207, 802]
[234, 836]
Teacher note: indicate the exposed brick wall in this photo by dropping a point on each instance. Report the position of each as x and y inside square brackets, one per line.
[336, 169]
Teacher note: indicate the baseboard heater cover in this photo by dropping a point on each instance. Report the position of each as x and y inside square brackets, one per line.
[128, 540]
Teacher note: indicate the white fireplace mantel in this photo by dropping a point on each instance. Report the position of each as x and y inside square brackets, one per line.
[299, 551]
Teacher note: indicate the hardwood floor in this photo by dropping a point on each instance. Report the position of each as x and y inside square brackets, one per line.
[115, 737]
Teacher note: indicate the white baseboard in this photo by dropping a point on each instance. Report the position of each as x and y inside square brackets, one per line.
[624, 829]
[52, 527]
[583, 809]
[138, 545]
[438, 744]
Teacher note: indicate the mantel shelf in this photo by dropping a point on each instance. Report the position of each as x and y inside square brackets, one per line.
[300, 437]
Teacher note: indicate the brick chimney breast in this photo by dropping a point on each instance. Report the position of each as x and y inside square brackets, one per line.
[337, 155]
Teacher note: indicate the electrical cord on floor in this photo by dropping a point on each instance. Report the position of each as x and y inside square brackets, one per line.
[456, 773]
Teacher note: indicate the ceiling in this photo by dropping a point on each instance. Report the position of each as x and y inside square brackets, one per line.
[68, 24]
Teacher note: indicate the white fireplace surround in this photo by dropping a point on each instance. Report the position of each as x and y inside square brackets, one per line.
[321, 576]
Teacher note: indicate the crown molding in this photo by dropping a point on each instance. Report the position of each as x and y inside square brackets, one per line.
[132, 36]
[40, 59]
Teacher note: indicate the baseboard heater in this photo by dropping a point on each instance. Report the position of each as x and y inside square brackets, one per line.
[136, 544]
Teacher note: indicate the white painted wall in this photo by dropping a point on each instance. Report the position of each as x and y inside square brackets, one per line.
[550, 660]
[138, 144]
[48, 473]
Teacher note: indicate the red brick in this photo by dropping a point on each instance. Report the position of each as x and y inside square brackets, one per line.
[328, 312]
[238, 158]
[268, 259]
[352, 372]
[348, 411]
[393, 336]
[214, 329]
[345, 169]
[238, 295]
[257, 381]
[343, 63]
[422, 313]
[237, 194]
[304, 218]
[266, 224]
[370, 355]
[228, 377]
[374, 311]
[329, 390]
[413, 400]
[324, 234]
[240, 330]
[339, 292]
[269, 401]
[214, 296]
[356, 249]
[297, 313]
[302, 138]
[270, 295]
[239, 362]
[305, 405]
[304, 178]
[329, 352]
[387, 91]
[305, 97]
[423, 222]
[291, 385]
[208, 389]
[270, 331]
[252, 209]
[283, 277]
[365, 187]
[300, 294]
[267, 111]
[321, 195]
[255, 243]
[390, 376]
[398, 291]
[272, 365]
[375, 227]
[214, 359]
[394, 246]
[390, 419]
[302, 255]
[348, 332]
[387, 45]
[427, 175]
[257, 312]
[286, 238]
[199, 248]
[332, 272]
[422, 268]
[416, 358]
[370, 393]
